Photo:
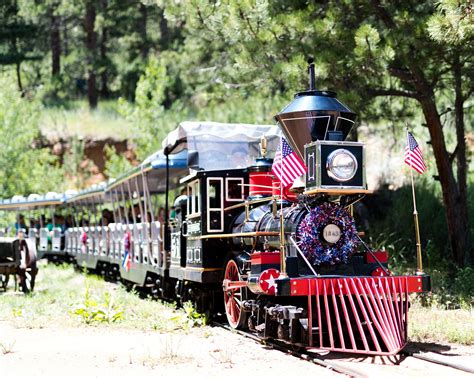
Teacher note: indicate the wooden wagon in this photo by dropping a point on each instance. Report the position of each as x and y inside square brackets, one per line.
[11, 263]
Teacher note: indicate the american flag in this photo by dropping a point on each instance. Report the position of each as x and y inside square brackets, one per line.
[287, 166]
[127, 260]
[413, 156]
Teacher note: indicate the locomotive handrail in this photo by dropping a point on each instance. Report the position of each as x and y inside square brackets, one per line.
[240, 235]
[338, 191]
[302, 255]
[251, 202]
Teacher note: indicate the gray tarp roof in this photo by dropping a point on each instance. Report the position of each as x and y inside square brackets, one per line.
[220, 146]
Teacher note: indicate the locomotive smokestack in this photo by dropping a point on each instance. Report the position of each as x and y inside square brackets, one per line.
[314, 115]
[312, 76]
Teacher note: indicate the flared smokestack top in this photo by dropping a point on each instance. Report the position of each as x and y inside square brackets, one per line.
[315, 115]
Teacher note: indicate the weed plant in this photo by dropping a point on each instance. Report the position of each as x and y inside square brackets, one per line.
[7, 347]
[65, 298]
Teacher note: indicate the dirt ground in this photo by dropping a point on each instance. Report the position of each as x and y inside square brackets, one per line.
[202, 352]
[99, 352]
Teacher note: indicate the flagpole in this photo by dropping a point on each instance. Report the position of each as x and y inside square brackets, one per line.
[419, 262]
[282, 224]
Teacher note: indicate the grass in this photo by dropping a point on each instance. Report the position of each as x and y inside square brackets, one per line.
[7, 348]
[76, 119]
[66, 298]
[438, 325]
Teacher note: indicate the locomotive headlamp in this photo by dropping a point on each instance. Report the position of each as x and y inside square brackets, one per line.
[335, 165]
[341, 165]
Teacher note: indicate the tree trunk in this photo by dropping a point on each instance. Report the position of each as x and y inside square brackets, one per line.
[457, 228]
[65, 38]
[461, 162]
[104, 89]
[164, 31]
[55, 45]
[142, 27]
[91, 46]
[18, 78]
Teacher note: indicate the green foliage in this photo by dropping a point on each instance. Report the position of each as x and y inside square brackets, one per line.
[392, 228]
[69, 119]
[72, 162]
[24, 167]
[126, 32]
[392, 225]
[464, 284]
[15, 35]
[453, 23]
[115, 165]
[92, 311]
[147, 112]
[195, 318]
[234, 61]
[153, 121]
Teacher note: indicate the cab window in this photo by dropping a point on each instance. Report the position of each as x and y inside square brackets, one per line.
[215, 204]
[194, 198]
[234, 189]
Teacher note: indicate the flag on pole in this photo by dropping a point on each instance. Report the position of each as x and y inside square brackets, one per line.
[127, 261]
[287, 165]
[413, 156]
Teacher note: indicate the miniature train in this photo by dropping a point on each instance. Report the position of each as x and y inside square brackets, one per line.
[285, 263]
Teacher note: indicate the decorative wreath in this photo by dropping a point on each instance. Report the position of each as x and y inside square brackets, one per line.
[313, 245]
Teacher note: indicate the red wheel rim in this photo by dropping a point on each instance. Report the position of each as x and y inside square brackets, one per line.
[232, 297]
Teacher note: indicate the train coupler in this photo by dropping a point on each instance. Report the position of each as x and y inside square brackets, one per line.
[283, 323]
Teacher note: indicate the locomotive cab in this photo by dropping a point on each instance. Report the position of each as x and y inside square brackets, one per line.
[198, 237]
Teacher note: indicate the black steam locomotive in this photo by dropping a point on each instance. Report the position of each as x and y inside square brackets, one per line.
[288, 261]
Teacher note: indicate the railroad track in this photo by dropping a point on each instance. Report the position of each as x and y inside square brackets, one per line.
[340, 366]
[439, 359]
[307, 356]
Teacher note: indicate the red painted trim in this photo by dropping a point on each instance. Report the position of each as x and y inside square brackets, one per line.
[287, 194]
[261, 258]
[301, 286]
[382, 256]
[262, 179]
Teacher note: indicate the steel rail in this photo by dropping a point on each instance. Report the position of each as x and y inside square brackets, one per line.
[307, 356]
[440, 361]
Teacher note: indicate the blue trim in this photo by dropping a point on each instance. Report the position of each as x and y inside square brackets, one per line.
[179, 160]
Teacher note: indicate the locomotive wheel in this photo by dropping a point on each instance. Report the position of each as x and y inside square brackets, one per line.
[236, 317]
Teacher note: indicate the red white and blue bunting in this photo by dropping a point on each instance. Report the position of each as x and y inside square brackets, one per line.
[315, 248]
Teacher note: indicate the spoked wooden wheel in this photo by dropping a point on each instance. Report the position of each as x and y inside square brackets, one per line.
[233, 297]
[27, 283]
[4, 278]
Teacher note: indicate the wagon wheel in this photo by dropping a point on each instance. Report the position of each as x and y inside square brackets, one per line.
[4, 278]
[27, 282]
[233, 298]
